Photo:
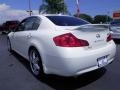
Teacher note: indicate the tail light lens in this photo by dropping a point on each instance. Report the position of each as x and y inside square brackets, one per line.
[69, 40]
[109, 38]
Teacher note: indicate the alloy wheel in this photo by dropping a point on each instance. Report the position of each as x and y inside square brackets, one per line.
[35, 62]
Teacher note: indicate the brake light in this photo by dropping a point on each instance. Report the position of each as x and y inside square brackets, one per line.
[69, 40]
[109, 38]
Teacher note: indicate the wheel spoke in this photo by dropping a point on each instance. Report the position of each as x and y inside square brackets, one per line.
[32, 55]
[35, 61]
[36, 66]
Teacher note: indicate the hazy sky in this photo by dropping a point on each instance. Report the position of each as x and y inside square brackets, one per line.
[17, 8]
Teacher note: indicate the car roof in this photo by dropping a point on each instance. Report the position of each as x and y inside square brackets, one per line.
[50, 15]
[54, 15]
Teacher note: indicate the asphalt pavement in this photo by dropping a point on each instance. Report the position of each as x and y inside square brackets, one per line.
[15, 74]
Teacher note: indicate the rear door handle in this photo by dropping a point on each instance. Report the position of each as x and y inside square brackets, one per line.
[29, 36]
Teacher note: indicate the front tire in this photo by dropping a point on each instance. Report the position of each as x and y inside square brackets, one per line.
[35, 63]
[9, 45]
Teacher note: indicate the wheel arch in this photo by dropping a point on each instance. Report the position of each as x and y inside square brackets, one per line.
[33, 47]
[40, 54]
[39, 46]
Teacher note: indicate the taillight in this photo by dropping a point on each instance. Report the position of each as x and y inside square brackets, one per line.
[69, 40]
[109, 38]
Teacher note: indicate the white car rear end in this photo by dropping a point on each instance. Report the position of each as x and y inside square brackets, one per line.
[96, 50]
[66, 47]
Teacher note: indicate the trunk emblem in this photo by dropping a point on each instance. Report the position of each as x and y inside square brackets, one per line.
[98, 35]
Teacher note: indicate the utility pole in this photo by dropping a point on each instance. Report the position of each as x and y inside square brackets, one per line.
[29, 11]
[107, 17]
[42, 1]
[78, 8]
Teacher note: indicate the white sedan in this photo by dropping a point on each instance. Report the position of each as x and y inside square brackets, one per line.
[62, 45]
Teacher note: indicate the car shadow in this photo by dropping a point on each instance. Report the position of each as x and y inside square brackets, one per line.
[71, 83]
[65, 83]
[21, 60]
[117, 41]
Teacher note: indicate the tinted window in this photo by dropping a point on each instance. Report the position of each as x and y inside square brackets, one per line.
[36, 23]
[28, 24]
[21, 26]
[66, 21]
[31, 23]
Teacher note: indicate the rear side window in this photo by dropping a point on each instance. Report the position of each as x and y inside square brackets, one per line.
[66, 21]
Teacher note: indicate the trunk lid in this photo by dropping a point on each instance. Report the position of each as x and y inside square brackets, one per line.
[95, 34]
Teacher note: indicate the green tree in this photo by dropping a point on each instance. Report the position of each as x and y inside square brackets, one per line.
[102, 19]
[85, 17]
[53, 7]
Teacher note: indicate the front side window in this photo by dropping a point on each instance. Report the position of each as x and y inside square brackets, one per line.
[28, 24]
[66, 20]
[31, 23]
[21, 26]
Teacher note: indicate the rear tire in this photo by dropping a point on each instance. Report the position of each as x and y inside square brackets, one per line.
[36, 63]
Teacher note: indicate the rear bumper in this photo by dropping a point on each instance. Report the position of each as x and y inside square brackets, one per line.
[76, 62]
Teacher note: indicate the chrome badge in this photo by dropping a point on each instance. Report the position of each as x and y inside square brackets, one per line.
[98, 35]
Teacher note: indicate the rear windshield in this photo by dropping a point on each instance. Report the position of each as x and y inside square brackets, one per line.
[66, 21]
